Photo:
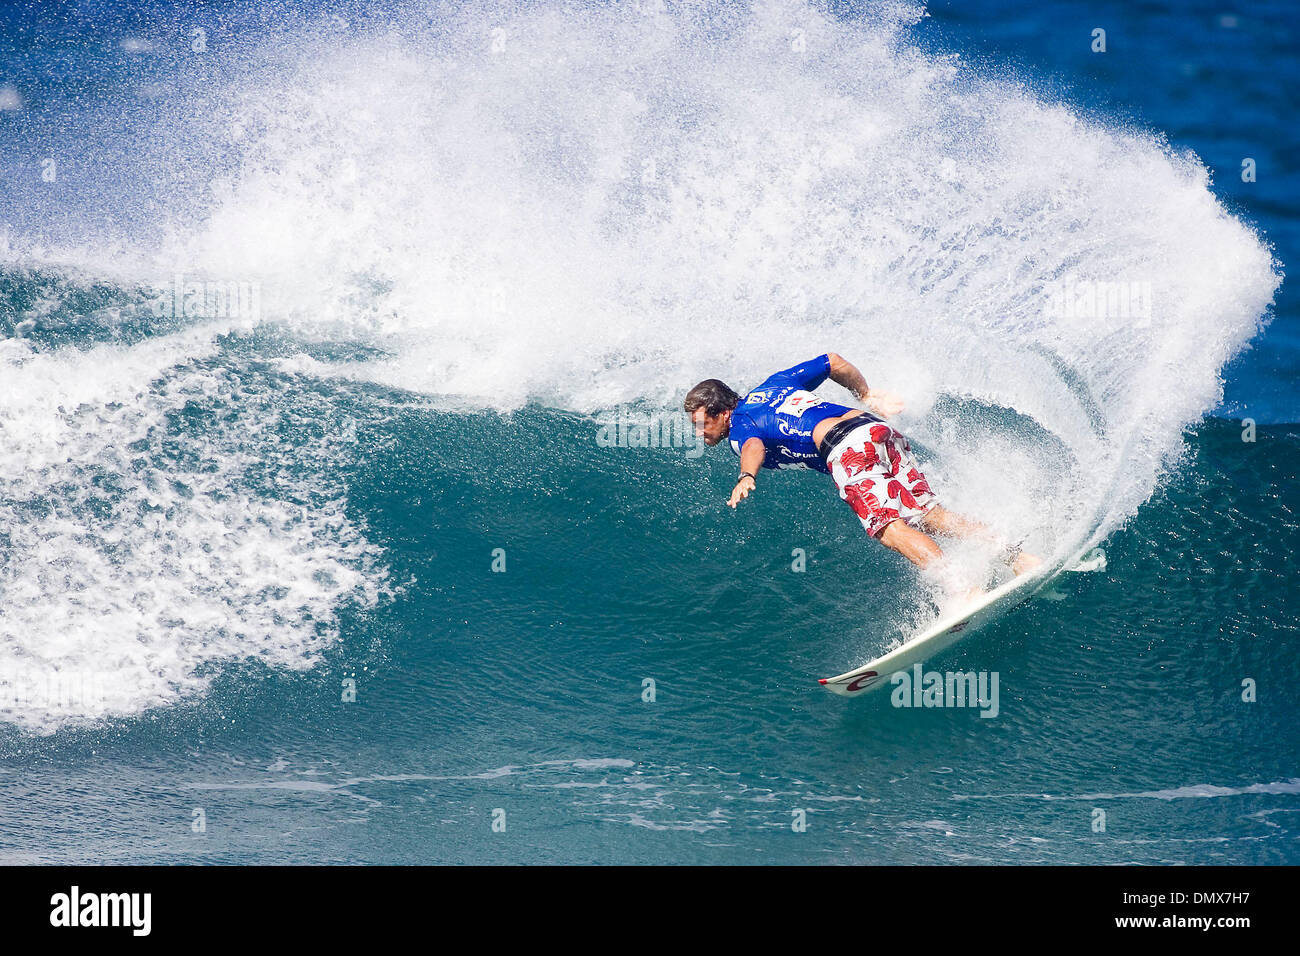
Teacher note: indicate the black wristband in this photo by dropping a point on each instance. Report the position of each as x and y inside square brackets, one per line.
[745, 474]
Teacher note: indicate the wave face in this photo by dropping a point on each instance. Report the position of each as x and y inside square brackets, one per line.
[579, 207]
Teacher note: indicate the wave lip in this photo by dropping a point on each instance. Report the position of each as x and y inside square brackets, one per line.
[591, 207]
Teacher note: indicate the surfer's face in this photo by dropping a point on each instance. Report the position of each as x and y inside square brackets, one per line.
[711, 429]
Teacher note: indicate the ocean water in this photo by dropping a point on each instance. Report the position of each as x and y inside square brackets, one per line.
[342, 565]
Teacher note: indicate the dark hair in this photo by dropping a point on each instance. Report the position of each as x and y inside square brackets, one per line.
[711, 395]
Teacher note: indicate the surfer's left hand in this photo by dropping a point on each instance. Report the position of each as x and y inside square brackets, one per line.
[741, 491]
[883, 403]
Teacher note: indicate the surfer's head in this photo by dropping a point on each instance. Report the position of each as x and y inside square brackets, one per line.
[710, 405]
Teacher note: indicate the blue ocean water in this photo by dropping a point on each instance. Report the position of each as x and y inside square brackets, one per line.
[355, 562]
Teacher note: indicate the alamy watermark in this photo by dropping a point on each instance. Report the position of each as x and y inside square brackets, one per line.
[78, 691]
[915, 688]
[1070, 298]
[77, 908]
[181, 297]
[650, 430]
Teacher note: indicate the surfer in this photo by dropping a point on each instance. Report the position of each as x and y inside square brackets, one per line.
[781, 424]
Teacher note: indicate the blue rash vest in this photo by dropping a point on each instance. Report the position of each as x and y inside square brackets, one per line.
[783, 412]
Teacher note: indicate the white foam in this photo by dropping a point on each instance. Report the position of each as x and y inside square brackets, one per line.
[124, 569]
[1191, 791]
[614, 206]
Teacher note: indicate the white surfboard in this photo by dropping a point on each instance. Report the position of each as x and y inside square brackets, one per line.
[953, 627]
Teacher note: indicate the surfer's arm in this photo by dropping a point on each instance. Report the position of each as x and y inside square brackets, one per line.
[844, 372]
[751, 459]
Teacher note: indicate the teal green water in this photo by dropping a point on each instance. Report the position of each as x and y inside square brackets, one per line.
[522, 691]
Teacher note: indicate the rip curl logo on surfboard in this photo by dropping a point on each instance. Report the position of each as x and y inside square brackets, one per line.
[866, 680]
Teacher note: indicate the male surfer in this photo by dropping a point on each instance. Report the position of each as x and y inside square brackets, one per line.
[781, 424]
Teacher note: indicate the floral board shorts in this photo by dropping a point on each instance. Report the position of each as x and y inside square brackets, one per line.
[878, 476]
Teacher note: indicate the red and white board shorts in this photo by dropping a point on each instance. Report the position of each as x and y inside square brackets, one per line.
[879, 478]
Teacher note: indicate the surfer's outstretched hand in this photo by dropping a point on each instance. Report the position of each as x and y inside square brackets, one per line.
[883, 403]
[741, 491]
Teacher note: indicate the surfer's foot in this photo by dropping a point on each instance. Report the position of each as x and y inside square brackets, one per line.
[1020, 561]
[1024, 561]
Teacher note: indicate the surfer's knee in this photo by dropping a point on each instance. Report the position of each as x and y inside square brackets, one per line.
[943, 521]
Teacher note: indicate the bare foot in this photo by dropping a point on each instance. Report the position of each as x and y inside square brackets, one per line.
[1025, 562]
